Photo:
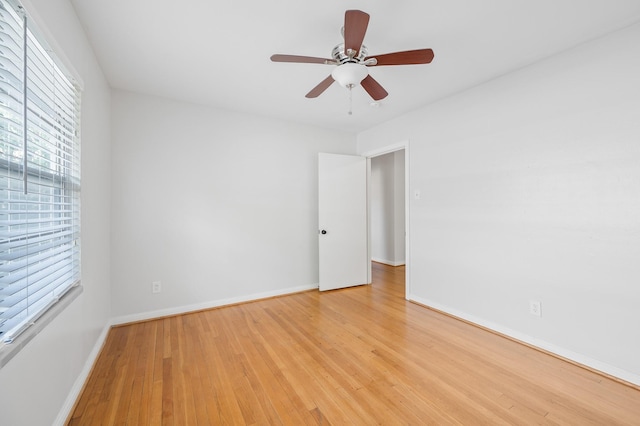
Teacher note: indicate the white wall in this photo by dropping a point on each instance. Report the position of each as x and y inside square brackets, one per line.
[399, 207]
[36, 383]
[218, 206]
[387, 208]
[531, 190]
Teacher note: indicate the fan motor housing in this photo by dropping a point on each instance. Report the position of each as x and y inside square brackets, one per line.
[338, 54]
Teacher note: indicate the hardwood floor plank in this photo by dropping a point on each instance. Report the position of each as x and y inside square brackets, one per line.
[167, 391]
[144, 374]
[155, 404]
[362, 355]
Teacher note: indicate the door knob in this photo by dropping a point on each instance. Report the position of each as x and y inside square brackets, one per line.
[323, 232]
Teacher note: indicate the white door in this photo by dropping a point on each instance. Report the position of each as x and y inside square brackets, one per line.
[342, 217]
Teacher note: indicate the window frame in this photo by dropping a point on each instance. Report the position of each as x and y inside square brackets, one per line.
[60, 182]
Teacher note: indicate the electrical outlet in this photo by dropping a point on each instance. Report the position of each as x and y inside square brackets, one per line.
[156, 287]
[535, 308]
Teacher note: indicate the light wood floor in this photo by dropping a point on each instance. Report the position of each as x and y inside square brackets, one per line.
[362, 355]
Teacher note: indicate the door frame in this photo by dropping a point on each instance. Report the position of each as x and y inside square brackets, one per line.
[387, 149]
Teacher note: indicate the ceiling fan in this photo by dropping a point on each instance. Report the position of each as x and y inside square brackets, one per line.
[352, 60]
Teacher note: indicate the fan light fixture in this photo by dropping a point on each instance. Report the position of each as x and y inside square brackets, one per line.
[353, 60]
[349, 74]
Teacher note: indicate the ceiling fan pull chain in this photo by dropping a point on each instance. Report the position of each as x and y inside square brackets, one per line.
[351, 99]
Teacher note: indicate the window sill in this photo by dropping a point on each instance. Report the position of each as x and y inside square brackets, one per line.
[9, 350]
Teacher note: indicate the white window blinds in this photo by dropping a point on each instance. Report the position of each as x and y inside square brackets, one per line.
[39, 176]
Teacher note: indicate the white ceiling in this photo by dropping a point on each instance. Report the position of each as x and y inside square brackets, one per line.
[216, 52]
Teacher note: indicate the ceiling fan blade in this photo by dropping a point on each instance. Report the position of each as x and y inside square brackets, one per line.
[302, 59]
[355, 27]
[373, 88]
[317, 91]
[409, 57]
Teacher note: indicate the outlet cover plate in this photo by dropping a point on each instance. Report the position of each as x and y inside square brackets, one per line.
[535, 308]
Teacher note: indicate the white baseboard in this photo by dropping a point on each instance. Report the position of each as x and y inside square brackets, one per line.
[74, 393]
[143, 316]
[541, 344]
[388, 262]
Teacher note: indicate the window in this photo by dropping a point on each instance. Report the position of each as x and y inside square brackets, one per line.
[39, 176]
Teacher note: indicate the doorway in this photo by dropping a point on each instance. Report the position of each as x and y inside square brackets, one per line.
[400, 231]
[387, 209]
[388, 189]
